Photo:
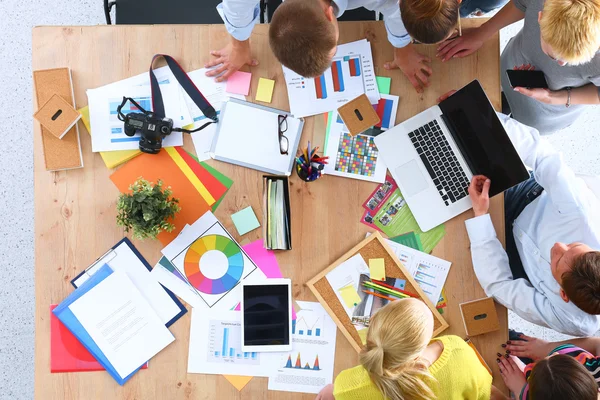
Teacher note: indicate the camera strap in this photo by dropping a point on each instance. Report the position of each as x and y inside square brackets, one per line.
[190, 88]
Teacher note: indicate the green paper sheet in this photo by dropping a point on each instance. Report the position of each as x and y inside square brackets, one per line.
[409, 239]
[327, 129]
[384, 84]
[220, 177]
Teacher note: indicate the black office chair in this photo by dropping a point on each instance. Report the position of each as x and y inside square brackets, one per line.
[358, 14]
[132, 12]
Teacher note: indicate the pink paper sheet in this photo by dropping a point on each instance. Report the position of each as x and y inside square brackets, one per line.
[266, 261]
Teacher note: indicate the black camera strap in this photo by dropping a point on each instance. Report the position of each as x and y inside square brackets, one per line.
[190, 88]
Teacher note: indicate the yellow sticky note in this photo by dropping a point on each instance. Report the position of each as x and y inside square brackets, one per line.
[350, 297]
[265, 90]
[377, 268]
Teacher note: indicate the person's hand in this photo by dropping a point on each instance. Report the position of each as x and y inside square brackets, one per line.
[479, 191]
[511, 374]
[445, 96]
[230, 59]
[529, 347]
[326, 393]
[413, 65]
[547, 96]
[461, 46]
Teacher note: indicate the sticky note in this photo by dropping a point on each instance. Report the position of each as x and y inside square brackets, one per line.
[239, 83]
[265, 90]
[245, 220]
[384, 84]
[377, 268]
[350, 297]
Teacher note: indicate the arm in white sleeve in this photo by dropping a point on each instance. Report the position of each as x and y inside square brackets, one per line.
[491, 266]
[549, 168]
[239, 17]
[396, 32]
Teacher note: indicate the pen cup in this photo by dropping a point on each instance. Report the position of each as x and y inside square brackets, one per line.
[305, 176]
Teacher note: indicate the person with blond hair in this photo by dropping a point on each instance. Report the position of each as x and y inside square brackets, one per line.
[401, 361]
[561, 38]
[303, 34]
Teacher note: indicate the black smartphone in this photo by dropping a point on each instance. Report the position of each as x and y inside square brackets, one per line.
[527, 79]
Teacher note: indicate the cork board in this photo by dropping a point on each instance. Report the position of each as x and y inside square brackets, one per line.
[57, 116]
[62, 153]
[372, 247]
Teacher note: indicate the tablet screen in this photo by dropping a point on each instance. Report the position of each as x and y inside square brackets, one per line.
[266, 315]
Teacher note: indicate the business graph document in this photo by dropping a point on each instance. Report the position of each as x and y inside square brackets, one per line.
[122, 323]
[350, 75]
[216, 346]
[309, 366]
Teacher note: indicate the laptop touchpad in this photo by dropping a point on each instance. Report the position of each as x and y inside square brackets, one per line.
[412, 179]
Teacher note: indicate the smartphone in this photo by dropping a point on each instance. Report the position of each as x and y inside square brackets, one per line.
[527, 79]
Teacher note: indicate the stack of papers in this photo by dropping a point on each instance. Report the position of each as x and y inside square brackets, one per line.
[276, 226]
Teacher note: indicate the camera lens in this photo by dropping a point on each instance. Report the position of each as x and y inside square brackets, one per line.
[164, 130]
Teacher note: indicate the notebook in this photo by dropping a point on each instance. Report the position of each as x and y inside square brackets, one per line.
[65, 153]
[247, 135]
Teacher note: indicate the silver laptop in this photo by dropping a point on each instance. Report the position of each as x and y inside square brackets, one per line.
[433, 155]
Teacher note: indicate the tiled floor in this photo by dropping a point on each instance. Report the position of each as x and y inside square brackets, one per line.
[16, 178]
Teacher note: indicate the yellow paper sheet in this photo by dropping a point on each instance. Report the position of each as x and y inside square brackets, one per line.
[238, 381]
[350, 297]
[265, 90]
[111, 158]
[187, 171]
[377, 268]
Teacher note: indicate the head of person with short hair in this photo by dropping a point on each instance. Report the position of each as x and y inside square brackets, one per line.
[303, 35]
[570, 30]
[561, 377]
[430, 21]
[398, 334]
[576, 267]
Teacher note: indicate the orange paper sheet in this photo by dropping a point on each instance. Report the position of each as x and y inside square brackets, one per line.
[153, 167]
[239, 382]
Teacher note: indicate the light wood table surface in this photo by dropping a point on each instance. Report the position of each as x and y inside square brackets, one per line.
[75, 210]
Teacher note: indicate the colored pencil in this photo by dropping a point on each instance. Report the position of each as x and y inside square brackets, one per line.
[385, 290]
[395, 288]
[379, 295]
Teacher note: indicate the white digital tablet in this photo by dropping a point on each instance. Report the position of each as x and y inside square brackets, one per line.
[267, 316]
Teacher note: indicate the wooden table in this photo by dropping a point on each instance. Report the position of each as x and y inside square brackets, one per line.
[75, 210]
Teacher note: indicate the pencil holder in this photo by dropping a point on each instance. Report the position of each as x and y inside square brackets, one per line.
[309, 165]
[305, 176]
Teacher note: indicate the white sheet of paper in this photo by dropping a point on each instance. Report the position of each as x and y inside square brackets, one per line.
[306, 100]
[313, 338]
[347, 273]
[121, 323]
[181, 289]
[216, 343]
[124, 259]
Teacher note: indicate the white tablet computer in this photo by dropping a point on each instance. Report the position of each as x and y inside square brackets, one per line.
[267, 316]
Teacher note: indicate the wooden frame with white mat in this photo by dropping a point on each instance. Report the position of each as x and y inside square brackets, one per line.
[372, 247]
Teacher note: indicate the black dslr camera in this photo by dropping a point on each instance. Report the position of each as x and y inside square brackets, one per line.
[151, 128]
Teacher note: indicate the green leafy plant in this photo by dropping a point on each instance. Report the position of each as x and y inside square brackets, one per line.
[147, 210]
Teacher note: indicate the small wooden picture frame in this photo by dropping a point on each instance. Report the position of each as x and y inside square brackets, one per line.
[479, 316]
[358, 115]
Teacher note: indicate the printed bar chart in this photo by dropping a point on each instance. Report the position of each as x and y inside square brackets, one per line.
[354, 65]
[307, 331]
[225, 344]
[321, 87]
[384, 110]
[337, 76]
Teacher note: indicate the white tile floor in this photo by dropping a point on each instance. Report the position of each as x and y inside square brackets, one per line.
[579, 143]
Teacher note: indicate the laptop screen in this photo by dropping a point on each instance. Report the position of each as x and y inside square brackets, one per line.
[482, 139]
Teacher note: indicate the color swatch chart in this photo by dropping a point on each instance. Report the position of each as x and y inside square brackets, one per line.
[225, 344]
[356, 155]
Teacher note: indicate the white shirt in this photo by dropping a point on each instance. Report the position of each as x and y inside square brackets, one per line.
[567, 211]
[240, 16]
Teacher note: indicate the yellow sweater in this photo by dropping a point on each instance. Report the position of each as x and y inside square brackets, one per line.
[458, 372]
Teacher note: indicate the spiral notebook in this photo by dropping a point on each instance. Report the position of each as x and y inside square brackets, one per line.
[247, 135]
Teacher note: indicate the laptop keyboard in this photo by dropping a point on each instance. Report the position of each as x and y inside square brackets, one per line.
[441, 163]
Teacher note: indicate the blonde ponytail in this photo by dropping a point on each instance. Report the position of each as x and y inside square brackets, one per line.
[398, 334]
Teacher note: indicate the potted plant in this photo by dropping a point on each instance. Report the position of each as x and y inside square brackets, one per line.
[147, 210]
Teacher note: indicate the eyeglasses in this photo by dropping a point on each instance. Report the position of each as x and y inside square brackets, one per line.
[284, 143]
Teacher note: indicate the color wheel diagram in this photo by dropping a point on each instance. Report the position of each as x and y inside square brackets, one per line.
[214, 264]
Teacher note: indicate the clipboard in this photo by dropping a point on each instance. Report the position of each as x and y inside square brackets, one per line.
[247, 135]
[111, 257]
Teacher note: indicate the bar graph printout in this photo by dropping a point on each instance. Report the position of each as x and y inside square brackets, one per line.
[350, 75]
[309, 366]
[215, 346]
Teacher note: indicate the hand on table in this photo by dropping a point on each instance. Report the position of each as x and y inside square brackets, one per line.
[413, 65]
[479, 191]
[471, 40]
[326, 393]
[529, 347]
[513, 377]
[230, 59]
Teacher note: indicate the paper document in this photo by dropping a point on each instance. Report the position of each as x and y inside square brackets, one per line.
[309, 366]
[216, 346]
[350, 75]
[347, 274]
[122, 323]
